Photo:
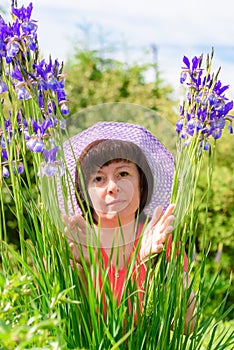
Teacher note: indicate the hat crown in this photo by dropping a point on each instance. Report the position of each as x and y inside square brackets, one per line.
[160, 160]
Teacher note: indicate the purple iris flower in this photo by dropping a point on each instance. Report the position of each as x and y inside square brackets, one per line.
[64, 109]
[206, 146]
[190, 127]
[5, 172]
[179, 125]
[3, 86]
[21, 33]
[50, 155]
[216, 133]
[39, 67]
[29, 28]
[8, 138]
[230, 128]
[62, 123]
[32, 44]
[24, 14]
[228, 107]
[219, 89]
[12, 49]
[4, 32]
[23, 93]
[4, 29]
[18, 168]
[3, 143]
[48, 169]
[218, 123]
[4, 154]
[41, 100]
[61, 95]
[213, 100]
[53, 84]
[206, 109]
[186, 62]
[193, 70]
[195, 63]
[16, 74]
[2, 48]
[15, 30]
[49, 77]
[35, 144]
[183, 77]
[51, 167]
[52, 108]
[26, 134]
[42, 81]
[199, 126]
[40, 129]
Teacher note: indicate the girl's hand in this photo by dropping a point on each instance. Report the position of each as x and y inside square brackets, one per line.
[157, 232]
[78, 234]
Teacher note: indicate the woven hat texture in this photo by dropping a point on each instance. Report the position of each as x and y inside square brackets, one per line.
[159, 159]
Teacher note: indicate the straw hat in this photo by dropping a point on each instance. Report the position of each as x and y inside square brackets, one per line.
[160, 160]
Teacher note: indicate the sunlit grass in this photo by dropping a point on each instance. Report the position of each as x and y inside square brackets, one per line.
[45, 305]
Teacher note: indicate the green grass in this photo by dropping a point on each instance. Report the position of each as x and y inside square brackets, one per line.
[47, 308]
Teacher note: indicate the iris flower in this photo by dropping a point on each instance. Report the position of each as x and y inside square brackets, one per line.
[205, 111]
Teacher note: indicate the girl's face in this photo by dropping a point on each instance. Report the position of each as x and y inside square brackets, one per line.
[115, 193]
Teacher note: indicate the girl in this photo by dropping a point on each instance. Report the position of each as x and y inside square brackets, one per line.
[123, 179]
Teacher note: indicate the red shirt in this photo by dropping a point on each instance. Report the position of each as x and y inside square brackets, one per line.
[117, 278]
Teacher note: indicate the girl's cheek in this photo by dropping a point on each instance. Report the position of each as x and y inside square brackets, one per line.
[97, 194]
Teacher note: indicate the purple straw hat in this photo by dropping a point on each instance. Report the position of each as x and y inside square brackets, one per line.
[160, 160]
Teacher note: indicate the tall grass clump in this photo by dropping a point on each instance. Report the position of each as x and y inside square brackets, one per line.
[46, 300]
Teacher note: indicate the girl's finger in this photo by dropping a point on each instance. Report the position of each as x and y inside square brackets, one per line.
[166, 223]
[164, 236]
[169, 210]
[169, 229]
[156, 216]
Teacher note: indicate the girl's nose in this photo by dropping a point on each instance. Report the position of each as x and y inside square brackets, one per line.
[112, 186]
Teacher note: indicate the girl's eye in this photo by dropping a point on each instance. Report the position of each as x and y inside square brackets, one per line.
[123, 174]
[98, 179]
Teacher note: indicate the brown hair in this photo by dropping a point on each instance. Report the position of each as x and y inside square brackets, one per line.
[104, 152]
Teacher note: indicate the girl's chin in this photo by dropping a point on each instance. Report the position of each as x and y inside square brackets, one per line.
[113, 219]
[111, 216]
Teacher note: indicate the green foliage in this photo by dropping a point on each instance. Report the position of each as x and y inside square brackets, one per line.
[218, 222]
[92, 80]
[21, 324]
[43, 304]
[221, 200]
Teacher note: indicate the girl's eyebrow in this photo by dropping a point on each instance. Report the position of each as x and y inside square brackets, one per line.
[124, 165]
[127, 165]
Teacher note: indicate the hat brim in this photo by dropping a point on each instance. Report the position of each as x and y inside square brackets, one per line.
[160, 160]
